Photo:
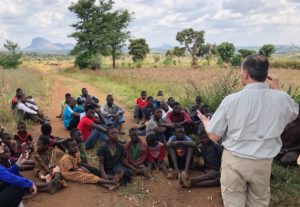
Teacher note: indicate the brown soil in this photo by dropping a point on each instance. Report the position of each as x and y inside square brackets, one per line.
[156, 192]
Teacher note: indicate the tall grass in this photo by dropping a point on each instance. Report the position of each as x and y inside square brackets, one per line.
[32, 84]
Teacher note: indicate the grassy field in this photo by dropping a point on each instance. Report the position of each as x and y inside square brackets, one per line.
[184, 84]
[30, 81]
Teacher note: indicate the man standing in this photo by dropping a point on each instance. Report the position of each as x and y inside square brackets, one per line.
[250, 123]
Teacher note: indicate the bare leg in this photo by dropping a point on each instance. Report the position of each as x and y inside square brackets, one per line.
[207, 183]
[43, 187]
[209, 176]
[188, 158]
[174, 159]
[163, 168]
[25, 167]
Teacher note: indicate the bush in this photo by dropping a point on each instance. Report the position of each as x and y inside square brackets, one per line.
[11, 58]
[83, 60]
[213, 94]
[236, 60]
[285, 63]
[168, 60]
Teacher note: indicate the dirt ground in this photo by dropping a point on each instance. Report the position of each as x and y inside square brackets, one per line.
[157, 192]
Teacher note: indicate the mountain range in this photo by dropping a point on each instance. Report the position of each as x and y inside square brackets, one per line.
[39, 44]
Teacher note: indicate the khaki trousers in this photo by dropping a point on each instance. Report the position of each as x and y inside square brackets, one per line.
[245, 182]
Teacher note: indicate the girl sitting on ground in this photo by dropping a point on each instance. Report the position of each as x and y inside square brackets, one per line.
[23, 139]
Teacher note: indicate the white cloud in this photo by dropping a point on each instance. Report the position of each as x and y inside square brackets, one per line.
[247, 22]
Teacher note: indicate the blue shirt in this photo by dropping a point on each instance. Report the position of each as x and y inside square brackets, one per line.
[79, 109]
[12, 176]
[185, 139]
[68, 116]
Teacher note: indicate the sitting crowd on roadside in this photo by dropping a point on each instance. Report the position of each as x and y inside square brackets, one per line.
[161, 140]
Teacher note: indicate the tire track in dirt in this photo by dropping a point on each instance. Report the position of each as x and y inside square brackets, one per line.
[167, 192]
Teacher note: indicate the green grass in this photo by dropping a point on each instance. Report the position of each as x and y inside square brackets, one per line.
[31, 82]
[285, 186]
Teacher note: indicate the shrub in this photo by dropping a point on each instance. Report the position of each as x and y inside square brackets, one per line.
[236, 60]
[168, 60]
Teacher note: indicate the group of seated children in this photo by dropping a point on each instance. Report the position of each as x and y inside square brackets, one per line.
[26, 107]
[75, 112]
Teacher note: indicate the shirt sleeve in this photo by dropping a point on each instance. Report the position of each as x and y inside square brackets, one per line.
[104, 111]
[24, 108]
[7, 175]
[101, 151]
[187, 117]
[172, 139]
[218, 124]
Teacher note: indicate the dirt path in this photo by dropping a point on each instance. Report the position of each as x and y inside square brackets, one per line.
[156, 192]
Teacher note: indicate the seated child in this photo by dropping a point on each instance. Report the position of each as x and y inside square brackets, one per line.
[79, 108]
[113, 114]
[136, 153]
[46, 168]
[197, 106]
[23, 139]
[63, 105]
[159, 99]
[148, 110]
[141, 102]
[158, 126]
[8, 161]
[212, 155]
[91, 128]
[112, 159]
[156, 155]
[70, 115]
[58, 142]
[179, 116]
[77, 136]
[72, 170]
[165, 109]
[180, 149]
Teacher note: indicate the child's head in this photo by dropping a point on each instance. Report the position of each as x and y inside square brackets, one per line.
[43, 143]
[19, 92]
[164, 106]
[79, 101]
[151, 139]
[72, 102]
[204, 139]
[205, 109]
[157, 113]
[76, 135]
[134, 134]
[143, 95]
[84, 92]
[71, 146]
[23, 98]
[160, 93]
[171, 101]
[198, 100]
[150, 101]
[179, 131]
[90, 111]
[21, 127]
[109, 99]
[112, 133]
[46, 129]
[67, 97]
[176, 108]
[5, 152]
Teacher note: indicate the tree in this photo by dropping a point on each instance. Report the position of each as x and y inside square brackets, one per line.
[236, 60]
[246, 52]
[11, 58]
[225, 51]
[118, 32]
[267, 50]
[99, 31]
[169, 53]
[207, 51]
[179, 52]
[192, 40]
[138, 49]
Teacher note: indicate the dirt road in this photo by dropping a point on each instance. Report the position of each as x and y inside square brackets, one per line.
[156, 192]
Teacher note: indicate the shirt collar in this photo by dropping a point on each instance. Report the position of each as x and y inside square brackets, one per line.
[258, 85]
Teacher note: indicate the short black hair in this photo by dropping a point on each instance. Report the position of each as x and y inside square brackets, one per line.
[176, 104]
[110, 127]
[108, 95]
[169, 99]
[143, 92]
[79, 101]
[18, 90]
[151, 137]
[133, 129]
[73, 132]
[21, 123]
[257, 67]
[89, 107]
[159, 92]
[178, 126]
[67, 95]
[44, 139]
[46, 129]
[149, 97]
[83, 89]
[68, 141]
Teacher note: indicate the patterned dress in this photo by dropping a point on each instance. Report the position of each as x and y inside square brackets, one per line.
[71, 170]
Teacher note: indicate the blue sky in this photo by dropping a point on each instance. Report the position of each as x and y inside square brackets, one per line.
[243, 22]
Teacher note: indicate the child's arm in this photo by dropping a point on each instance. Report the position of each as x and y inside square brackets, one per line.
[130, 166]
[40, 164]
[101, 167]
[185, 143]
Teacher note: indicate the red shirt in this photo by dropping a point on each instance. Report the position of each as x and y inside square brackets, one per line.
[85, 127]
[173, 118]
[142, 103]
